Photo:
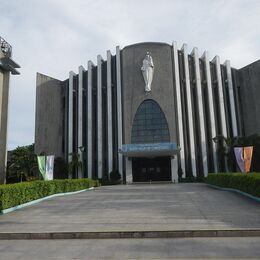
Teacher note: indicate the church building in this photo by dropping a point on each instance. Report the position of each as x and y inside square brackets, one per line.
[150, 112]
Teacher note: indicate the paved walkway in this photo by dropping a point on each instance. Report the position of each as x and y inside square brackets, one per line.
[137, 207]
[180, 248]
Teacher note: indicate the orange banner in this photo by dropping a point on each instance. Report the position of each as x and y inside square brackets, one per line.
[248, 152]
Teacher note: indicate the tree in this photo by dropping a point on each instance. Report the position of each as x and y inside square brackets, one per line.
[224, 151]
[226, 147]
[23, 163]
[74, 164]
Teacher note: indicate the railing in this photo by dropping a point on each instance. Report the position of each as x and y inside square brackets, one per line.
[5, 47]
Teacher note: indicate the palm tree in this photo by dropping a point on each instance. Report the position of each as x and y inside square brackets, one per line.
[74, 164]
[225, 150]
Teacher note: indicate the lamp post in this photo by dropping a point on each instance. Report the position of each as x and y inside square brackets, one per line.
[81, 159]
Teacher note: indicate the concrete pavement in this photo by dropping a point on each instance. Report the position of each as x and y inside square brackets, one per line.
[180, 248]
[143, 208]
[160, 207]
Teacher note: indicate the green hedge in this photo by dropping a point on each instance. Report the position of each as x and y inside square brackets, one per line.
[249, 183]
[15, 194]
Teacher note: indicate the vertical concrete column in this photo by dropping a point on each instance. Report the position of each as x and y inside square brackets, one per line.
[4, 96]
[129, 173]
[109, 115]
[231, 98]
[220, 96]
[70, 119]
[119, 110]
[190, 112]
[205, 57]
[80, 119]
[202, 131]
[174, 169]
[99, 118]
[89, 121]
[179, 106]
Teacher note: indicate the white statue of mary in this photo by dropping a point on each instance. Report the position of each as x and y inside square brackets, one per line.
[147, 70]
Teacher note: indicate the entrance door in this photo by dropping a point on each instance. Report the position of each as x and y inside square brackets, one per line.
[155, 169]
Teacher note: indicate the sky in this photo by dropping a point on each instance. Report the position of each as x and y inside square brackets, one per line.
[56, 36]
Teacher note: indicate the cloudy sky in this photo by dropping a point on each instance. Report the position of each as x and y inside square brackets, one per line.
[56, 36]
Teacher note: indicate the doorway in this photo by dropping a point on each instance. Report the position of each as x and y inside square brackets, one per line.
[151, 169]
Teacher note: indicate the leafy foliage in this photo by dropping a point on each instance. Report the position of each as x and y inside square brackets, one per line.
[12, 195]
[23, 163]
[115, 176]
[226, 145]
[249, 183]
[74, 163]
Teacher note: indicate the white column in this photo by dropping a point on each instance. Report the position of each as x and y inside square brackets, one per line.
[99, 118]
[109, 115]
[70, 119]
[231, 97]
[202, 131]
[174, 168]
[190, 112]
[205, 57]
[179, 107]
[128, 169]
[119, 110]
[80, 119]
[89, 125]
[4, 97]
[220, 96]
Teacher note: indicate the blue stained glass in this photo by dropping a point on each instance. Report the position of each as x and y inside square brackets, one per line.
[150, 125]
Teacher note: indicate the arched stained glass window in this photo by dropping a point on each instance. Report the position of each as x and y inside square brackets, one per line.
[150, 125]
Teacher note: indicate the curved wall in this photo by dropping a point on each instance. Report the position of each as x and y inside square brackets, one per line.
[133, 93]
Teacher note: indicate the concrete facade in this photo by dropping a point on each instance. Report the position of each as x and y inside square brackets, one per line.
[123, 128]
[162, 85]
[49, 125]
[249, 87]
[7, 67]
[4, 96]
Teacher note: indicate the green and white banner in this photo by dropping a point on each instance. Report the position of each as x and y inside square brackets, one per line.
[49, 167]
[42, 165]
[46, 166]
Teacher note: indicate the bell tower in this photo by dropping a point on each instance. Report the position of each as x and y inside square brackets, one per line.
[7, 66]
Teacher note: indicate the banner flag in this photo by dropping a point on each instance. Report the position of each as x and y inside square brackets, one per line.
[42, 165]
[49, 167]
[240, 158]
[248, 152]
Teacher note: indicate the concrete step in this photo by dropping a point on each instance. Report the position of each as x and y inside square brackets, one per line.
[151, 182]
[132, 234]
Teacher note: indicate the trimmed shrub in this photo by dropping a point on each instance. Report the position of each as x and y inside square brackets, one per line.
[192, 179]
[249, 183]
[110, 182]
[12, 195]
[115, 176]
